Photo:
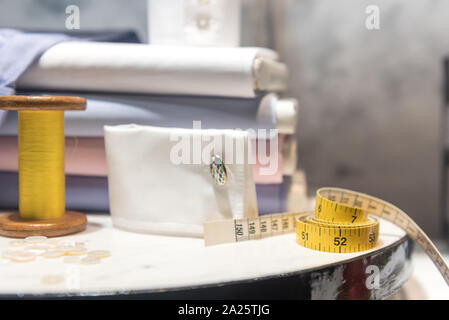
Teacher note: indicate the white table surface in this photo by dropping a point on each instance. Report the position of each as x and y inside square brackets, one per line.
[146, 262]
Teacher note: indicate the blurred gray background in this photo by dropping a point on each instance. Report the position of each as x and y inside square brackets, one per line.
[370, 100]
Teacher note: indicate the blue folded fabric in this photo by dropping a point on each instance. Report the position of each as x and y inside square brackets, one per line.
[19, 50]
[273, 198]
[162, 111]
[81, 193]
[91, 194]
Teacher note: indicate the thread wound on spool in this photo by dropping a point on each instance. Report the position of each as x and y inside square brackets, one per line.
[41, 164]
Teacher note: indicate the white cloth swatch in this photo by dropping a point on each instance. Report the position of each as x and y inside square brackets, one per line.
[150, 192]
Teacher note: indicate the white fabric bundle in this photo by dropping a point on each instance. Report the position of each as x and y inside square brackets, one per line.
[141, 68]
[286, 115]
[289, 155]
[150, 191]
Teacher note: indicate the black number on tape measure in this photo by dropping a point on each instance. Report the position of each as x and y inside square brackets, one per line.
[252, 228]
[274, 225]
[353, 218]
[339, 241]
[239, 229]
[285, 223]
[305, 235]
[371, 238]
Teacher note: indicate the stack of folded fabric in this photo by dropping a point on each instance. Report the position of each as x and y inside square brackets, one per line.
[224, 88]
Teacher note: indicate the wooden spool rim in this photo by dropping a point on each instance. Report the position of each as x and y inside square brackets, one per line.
[42, 103]
[11, 225]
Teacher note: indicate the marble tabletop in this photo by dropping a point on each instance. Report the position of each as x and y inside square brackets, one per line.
[155, 263]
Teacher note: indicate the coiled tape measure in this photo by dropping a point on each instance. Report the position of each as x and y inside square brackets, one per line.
[343, 221]
[336, 226]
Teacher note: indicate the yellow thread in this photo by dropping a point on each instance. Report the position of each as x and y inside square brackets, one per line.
[41, 164]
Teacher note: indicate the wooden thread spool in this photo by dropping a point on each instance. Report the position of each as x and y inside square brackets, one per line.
[41, 168]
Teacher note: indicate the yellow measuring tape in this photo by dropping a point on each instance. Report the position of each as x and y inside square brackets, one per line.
[343, 221]
[337, 226]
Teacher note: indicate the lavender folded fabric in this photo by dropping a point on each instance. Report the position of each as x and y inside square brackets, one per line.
[81, 193]
[272, 198]
[18, 51]
[161, 111]
[91, 194]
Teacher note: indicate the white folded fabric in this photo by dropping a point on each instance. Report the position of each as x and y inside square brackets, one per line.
[289, 155]
[286, 115]
[160, 180]
[141, 68]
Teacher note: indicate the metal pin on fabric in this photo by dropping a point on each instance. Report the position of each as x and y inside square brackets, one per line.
[218, 170]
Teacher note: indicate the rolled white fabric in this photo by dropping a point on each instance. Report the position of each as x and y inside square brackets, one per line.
[141, 68]
[286, 115]
[150, 191]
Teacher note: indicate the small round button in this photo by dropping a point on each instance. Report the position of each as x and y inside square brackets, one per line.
[99, 254]
[203, 22]
[52, 254]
